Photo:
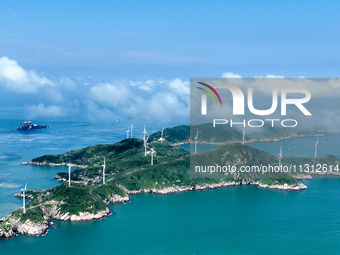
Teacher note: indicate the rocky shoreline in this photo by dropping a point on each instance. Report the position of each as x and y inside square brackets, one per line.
[44, 163]
[294, 187]
[12, 226]
[52, 209]
[177, 189]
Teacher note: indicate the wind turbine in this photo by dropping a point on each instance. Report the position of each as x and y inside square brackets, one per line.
[104, 166]
[144, 134]
[127, 133]
[316, 146]
[196, 141]
[69, 173]
[280, 156]
[146, 144]
[145, 140]
[162, 138]
[153, 152]
[131, 129]
[244, 135]
[23, 198]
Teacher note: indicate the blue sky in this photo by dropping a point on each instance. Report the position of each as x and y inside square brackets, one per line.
[123, 43]
[172, 38]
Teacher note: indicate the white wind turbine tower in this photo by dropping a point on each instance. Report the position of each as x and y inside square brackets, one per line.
[244, 135]
[280, 156]
[104, 166]
[144, 134]
[23, 198]
[127, 133]
[146, 144]
[69, 173]
[162, 133]
[131, 129]
[153, 153]
[196, 141]
[316, 146]
[145, 140]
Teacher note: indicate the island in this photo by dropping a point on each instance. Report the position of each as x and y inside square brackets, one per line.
[164, 169]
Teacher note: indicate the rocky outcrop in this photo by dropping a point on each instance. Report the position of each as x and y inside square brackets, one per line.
[86, 216]
[20, 195]
[7, 231]
[303, 177]
[216, 185]
[176, 188]
[296, 187]
[196, 187]
[172, 189]
[114, 198]
[32, 228]
[45, 163]
[13, 226]
[163, 191]
[52, 211]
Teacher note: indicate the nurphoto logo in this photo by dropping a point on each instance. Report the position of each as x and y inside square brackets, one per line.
[280, 97]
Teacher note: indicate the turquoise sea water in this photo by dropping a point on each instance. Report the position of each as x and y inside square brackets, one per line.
[233, 220]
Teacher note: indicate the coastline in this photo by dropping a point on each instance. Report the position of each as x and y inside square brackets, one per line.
[277, 139]
[16, 223]
[51, 164]
[51, 210]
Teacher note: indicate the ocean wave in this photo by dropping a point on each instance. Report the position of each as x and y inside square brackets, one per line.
[4, 175]
[6, 156]
[50, 149]
[9, 185]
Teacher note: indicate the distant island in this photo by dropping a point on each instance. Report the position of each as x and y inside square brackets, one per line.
[129, 171]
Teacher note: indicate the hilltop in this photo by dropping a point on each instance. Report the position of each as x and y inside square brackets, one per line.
[222, 134]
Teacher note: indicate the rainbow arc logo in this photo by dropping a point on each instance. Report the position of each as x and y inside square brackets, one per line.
[209, 93]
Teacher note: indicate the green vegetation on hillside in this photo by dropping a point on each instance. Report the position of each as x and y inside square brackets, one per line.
[224, 133]
[128, 168]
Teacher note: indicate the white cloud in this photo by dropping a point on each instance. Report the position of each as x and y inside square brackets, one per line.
[109, 94]
[45, 111]
[231, 75]
[180, 87]
[166, 106]
[96, 113]
[15, 78]
[148, 85]
[53, 95]
[67, 82]
[155, 99]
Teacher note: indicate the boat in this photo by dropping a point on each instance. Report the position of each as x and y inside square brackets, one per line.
[27, 125]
